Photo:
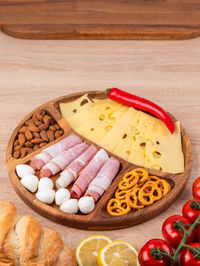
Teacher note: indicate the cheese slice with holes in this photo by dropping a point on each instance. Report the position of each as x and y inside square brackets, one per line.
[109, 120]
[70, 108]
[111, 140]
[163, 149]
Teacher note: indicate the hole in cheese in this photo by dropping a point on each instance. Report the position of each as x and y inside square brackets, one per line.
[128, 152]
[108, 128]
[110, 117]
[137, 133]
[101, 117]
[156, 155]
[134, 138]
[91, 129]
[107, 108]
[142, 145]
[125, 135]
[74, 111]
[83, 102]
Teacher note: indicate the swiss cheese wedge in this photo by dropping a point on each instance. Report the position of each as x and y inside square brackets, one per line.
[130, 134]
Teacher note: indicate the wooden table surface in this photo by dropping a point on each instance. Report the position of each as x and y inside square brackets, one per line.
[33, 72]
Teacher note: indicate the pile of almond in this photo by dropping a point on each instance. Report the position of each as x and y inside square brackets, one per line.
[36, 132]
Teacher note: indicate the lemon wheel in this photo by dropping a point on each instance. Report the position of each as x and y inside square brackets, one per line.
[88, 249]
[118, 253]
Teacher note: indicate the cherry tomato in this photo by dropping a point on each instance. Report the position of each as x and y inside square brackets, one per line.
[196, 189]
[187, 258]
[198, 234]
[173, 235]
[191, 213]
[146, 258]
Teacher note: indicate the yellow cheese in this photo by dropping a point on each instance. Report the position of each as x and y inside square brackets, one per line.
[111, 140]
[163, 149]
[103, 128]
[133, 135]
[70, 108]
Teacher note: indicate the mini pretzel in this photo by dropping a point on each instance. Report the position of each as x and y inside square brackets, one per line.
[164, 186]
[129, 180]
[143, 174]
[122, 194]
[115, 207]
[133, 200]
[149, 193]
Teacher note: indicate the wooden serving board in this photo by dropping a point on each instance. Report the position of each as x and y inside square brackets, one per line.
[100, 19]
[99, 219]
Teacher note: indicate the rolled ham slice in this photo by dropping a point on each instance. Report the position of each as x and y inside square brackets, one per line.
[103, 179]
[88, 174]
[52, 151]
[71, 172]
[58, 163]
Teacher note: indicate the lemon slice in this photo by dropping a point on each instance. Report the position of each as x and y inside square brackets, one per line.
[118, 253]
[88, 249]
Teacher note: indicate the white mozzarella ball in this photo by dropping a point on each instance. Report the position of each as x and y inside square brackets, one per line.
[23, 169]
[62, 195]
[70, 206]
[45, 183]
[46, 196]
[30, 182]
[86, 204]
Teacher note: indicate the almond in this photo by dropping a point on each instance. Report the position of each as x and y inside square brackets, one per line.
[18, 147]
[35, 147]
[39, 116]
[43, 127]
[33, 128]
[58, 134]
[56, 126]
[36, 135]
[21, 139]
[50, 135]
[29, 122]
[43, 135]
[28, 134]
[23, 129]
[16, 154]
[46, 119]
[27, 149]
[28, 144]
[37, 122]
[16, 142]
[37, 140]
[42, 144]
[23, 153]
[52, 127]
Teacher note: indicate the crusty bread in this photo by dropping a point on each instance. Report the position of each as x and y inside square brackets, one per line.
[24, 242]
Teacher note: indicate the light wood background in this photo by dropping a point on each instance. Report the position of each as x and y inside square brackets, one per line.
[33, 72]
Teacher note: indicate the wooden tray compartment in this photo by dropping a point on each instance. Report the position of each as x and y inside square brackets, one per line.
[99, 219]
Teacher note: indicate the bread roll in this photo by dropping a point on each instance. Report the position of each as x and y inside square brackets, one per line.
[24, 242]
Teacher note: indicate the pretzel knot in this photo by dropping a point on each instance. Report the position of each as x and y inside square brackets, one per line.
[149, 193]
[164, 186]
[122, 194]
[129, 180]
[116, 207]
[143, 174]
[133, 200]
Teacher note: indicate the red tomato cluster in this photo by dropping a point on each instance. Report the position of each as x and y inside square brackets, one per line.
[173, 236]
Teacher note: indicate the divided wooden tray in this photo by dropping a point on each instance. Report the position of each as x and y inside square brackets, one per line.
[104, 19]
[99, 219]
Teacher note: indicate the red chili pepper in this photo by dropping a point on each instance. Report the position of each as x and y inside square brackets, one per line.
[141, 104]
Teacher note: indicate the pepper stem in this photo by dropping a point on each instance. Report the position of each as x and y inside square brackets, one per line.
[108, 90]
